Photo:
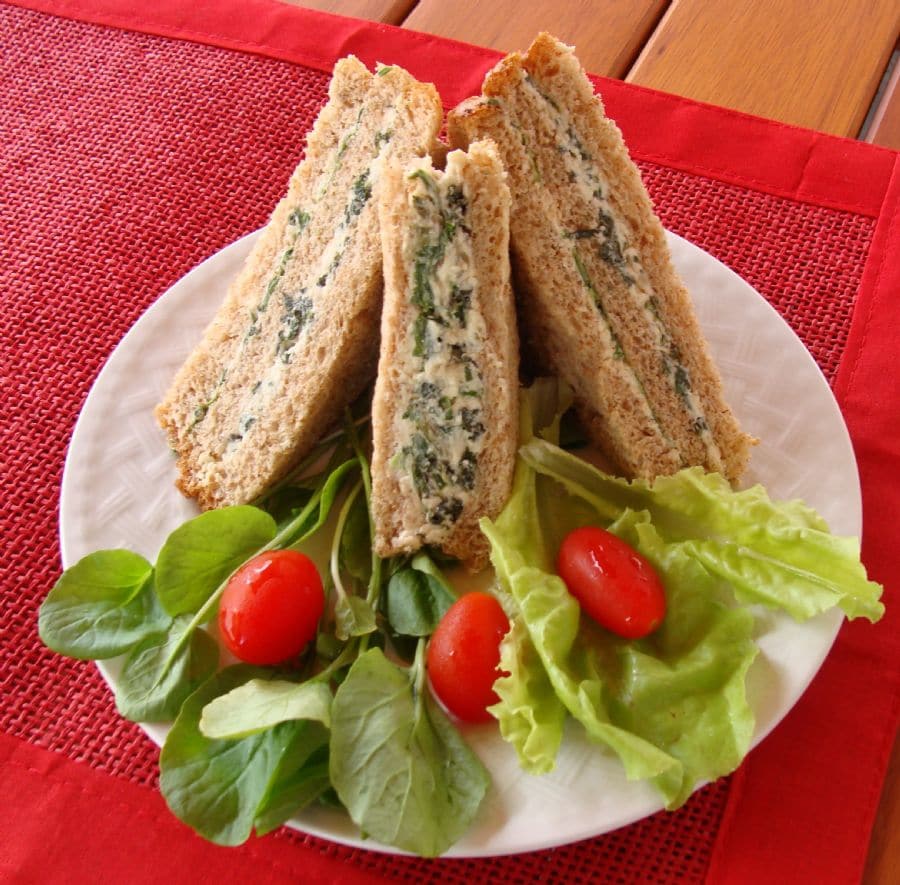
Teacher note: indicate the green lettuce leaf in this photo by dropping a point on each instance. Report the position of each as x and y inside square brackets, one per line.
[529, 713]
[672, 706]
[780, 554]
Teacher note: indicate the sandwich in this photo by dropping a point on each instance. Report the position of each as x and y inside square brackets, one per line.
[296, 339]
[600, 304]
[445, 405]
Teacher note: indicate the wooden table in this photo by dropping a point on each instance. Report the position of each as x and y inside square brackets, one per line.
[831, 65]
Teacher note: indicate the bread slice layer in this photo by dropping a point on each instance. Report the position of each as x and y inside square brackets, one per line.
[296, 338]
[600, 302]
[445, 408]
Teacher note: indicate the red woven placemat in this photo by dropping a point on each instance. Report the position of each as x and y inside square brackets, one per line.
[127, 159]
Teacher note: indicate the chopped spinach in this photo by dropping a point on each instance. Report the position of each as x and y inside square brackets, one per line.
[465, 472]
[447, 512]
[296, 315]
[299, 219]
[435, 407]
[460, 302]
[201, 410]
[682, 381]
[362, 192]
[332, 267]
[430, 474]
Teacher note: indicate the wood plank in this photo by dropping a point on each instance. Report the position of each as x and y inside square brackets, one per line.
[883, 863]
[885, 126]
[391, 12]
[607, 34]
[815, 65]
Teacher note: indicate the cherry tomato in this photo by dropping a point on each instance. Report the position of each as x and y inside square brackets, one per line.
[271, 607]
[612, 582]
[464, 653]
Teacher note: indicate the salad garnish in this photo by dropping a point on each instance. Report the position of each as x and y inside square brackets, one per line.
[350, 719]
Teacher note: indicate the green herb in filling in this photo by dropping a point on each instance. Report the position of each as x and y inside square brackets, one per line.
[201, 410]
[299, 219]
[346, 141]
[332, 267]
[362, 191]
[460, 302]
[618, 350]
[605, 240]
[548, 98]
[608, 247]
[447, 512]
[435, 409]
[275, 279]
[297, 313]
[682, 381]
[244, 425]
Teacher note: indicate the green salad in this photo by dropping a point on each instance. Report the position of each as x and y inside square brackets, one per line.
[351, 721]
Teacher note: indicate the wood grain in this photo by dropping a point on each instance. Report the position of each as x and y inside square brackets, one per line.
[883, 863]
[607, 34]
[885, 126]
[391, 12]
[816, 65]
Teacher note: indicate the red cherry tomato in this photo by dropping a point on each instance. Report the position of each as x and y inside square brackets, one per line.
[464, 653]
[271, 607]
[613, 583]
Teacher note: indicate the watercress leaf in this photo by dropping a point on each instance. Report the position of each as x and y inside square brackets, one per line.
[356, 542]
[403, 772]
[162, 670]
[403, 648]
[218, 787]
[200, 554]
[422, 562]
[285, 503]
[416, 601]
[101, 606]
[321, 503]
[353, 617]
[328, 646]
[301, 778]
[260, 704]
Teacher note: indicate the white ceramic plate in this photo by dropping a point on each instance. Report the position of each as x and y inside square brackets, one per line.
[118, 492]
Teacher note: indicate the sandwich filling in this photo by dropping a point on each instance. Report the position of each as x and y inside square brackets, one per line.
[440, 431]
[295, 287]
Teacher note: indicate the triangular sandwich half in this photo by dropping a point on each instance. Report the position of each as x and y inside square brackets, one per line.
[296, 339]
[599, 300]
[445, 408]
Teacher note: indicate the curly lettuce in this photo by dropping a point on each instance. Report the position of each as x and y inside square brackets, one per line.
[671, 706]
